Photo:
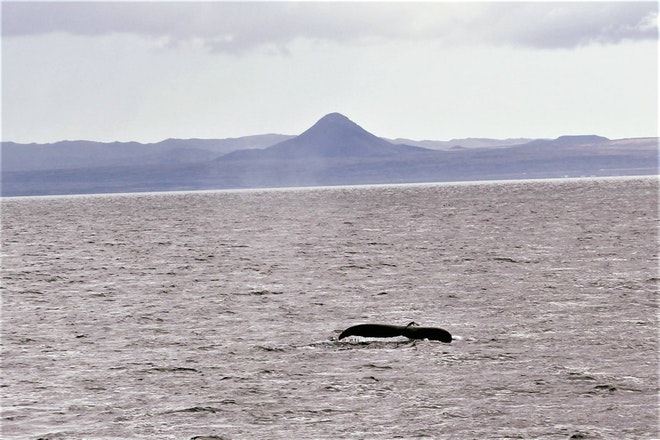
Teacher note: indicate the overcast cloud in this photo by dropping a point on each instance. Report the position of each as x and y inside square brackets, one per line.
[240, 26]
[146, 71]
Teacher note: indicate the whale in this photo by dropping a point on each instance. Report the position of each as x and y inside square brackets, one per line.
[411, 331]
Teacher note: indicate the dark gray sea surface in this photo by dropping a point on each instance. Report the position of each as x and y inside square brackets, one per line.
[216, 314]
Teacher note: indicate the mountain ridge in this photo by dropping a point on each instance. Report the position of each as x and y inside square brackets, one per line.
[71, 154]
[332, 136]
[333, 151]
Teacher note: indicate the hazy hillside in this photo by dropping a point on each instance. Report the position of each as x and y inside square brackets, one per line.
[88, 154]
[333, 136]
[334, 151]
[462, 143]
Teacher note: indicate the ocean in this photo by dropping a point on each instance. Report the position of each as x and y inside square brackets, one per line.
[215, 315]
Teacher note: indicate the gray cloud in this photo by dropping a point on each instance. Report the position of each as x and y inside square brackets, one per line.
[240, 26]
[565, 25]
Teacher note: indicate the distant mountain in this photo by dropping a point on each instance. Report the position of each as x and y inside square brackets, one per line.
[456, 144]
[333, 151]
[333, 136]
[567, 141]
[88, 154]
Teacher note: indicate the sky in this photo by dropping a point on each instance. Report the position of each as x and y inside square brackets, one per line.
[147, 71]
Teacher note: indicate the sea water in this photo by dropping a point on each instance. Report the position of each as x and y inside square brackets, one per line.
[216, 314]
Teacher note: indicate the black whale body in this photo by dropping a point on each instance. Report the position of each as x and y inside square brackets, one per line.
[390, 331]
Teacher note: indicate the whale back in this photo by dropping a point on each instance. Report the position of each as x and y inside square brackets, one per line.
[373, 331]
[430, 333]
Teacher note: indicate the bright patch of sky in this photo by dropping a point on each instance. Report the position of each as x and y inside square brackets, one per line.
[147, 71]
